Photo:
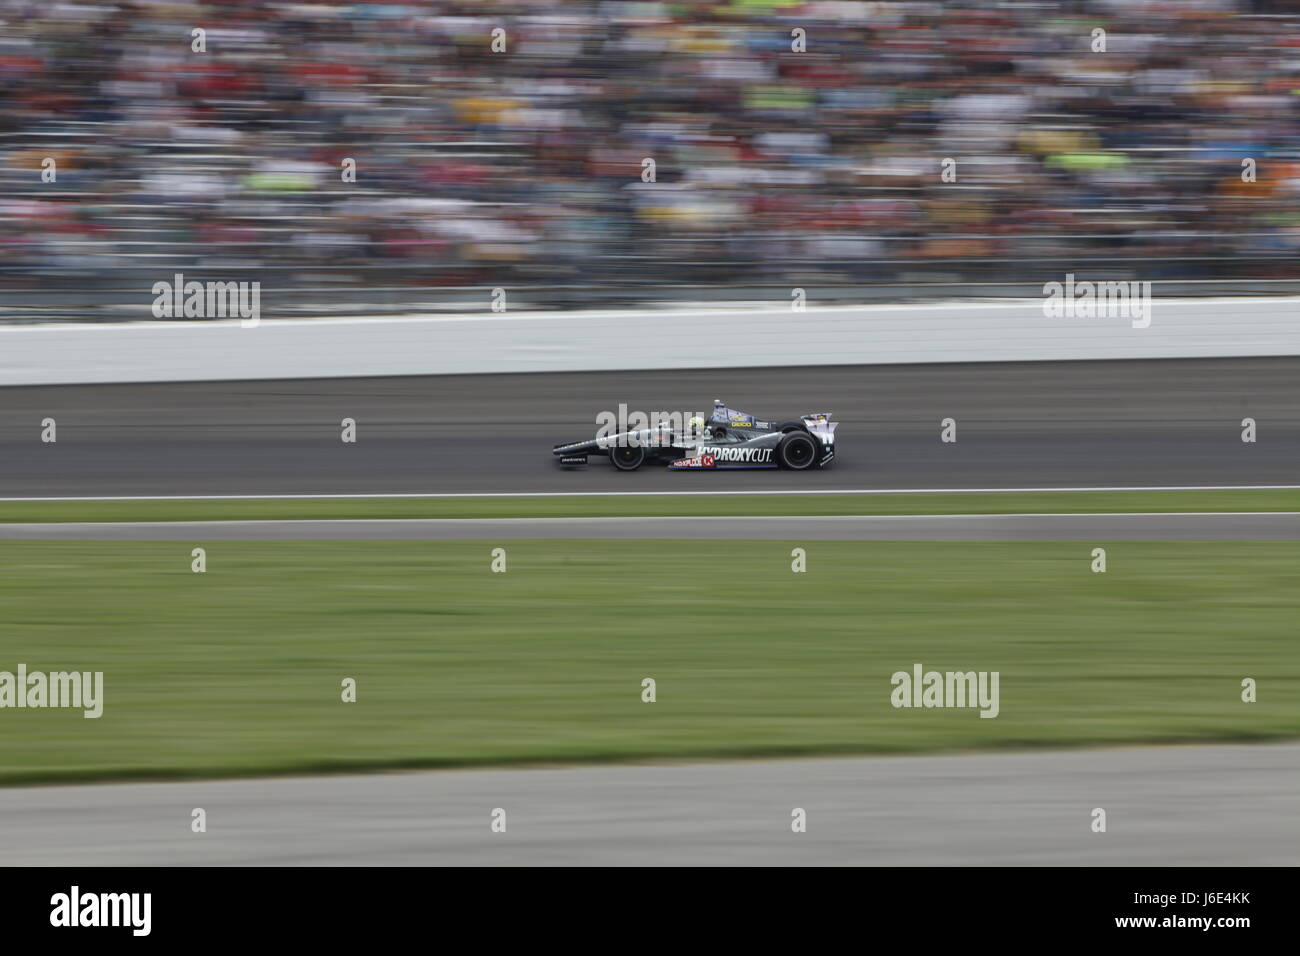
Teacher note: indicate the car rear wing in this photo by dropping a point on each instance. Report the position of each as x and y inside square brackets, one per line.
[820, 424]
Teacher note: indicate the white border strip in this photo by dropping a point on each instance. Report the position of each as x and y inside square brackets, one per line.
[734, 310]
[665, 494]
[638, 519]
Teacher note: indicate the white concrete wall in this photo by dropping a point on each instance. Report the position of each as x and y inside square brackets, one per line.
[568, 341]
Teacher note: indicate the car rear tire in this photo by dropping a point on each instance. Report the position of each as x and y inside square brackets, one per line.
[797, 451]
[792, 427]
[627, 457]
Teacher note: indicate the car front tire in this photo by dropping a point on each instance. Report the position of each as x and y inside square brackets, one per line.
[627, 457]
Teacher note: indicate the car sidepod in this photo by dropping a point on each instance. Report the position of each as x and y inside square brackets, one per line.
[755, 453]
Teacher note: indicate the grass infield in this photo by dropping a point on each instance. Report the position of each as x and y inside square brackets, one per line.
[238, 671]
[1081, 502]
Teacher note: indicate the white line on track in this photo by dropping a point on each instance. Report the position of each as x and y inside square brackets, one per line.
[679, 519]
[653, 494]
[849, 517]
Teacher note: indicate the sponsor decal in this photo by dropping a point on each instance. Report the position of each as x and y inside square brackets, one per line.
[750, 456]
[699, 461]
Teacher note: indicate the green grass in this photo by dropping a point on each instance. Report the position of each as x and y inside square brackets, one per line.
[237, 671]
[596, 506]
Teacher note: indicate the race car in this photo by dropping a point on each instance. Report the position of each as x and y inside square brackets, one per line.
[727, 440]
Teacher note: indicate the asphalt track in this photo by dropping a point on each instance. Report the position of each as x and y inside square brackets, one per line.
[1277, 526]
[1173, 806]
[1169, 422]
[1042, 424]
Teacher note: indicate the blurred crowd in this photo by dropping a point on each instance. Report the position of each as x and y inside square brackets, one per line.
[790, 142]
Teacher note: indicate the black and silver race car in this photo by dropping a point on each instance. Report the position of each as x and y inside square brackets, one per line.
[726, 440]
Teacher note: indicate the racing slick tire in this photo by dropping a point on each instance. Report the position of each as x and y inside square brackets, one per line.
[797, 451]
[627, 457]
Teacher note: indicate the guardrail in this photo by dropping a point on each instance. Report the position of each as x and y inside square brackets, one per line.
[124, 294]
